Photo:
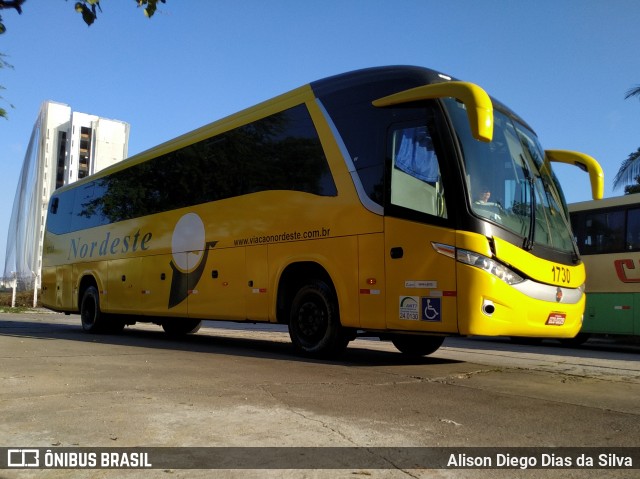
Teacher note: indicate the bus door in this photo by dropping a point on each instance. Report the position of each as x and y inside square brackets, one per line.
[421, 282]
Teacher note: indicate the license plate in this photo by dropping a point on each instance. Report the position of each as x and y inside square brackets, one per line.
[556, 319]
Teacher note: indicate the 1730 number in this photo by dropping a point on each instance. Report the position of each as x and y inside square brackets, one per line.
[561, 274]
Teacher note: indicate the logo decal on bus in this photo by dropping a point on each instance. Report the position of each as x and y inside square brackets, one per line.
[189, 251]
[81, 248]
[431, 309]
[620, 265]
[416, 308]
[410, 307]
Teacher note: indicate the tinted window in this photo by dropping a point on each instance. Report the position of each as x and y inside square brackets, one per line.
[364, 130]
[61, 211]
[600, 232]
[415, 173]
[280, 152]
[633, 229]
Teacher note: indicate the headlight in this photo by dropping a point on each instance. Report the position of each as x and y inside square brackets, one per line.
[490, 266]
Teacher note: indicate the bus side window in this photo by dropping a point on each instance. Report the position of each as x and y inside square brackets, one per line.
[633, 229]
[60, 212]
[415, 174]
[604, 233]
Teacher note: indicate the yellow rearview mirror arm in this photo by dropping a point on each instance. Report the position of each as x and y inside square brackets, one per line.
[476, 100]
[584, 162]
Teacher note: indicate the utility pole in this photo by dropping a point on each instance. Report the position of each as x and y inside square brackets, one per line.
[15, 286]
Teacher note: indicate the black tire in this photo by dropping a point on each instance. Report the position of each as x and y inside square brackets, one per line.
[314, 321]
[417, 345]
[115, 324]
[93, 320]
[181, 327]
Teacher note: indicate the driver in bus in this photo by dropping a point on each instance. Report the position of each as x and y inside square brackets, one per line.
[483, 203]
[483, 198]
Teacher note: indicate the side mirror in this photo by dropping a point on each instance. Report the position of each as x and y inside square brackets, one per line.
[585, 163]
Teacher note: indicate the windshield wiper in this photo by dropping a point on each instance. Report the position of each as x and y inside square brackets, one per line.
[528, 242]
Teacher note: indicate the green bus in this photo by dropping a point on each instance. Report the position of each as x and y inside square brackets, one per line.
[608, 236]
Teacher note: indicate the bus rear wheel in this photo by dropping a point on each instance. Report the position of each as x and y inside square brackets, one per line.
[417, 345]
[93, 320]
[314, 321]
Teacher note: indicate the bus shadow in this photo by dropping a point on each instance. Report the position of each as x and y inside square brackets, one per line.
[212, 340]
[593, 348]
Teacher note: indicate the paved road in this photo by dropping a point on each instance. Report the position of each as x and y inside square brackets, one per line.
[233, 386]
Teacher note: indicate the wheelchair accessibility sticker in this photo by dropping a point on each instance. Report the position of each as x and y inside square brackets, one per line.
[415, 308]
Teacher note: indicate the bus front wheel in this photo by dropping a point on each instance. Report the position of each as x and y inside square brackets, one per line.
[416, 345]
[314, 321]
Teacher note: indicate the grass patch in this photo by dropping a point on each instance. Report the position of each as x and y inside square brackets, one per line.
[16, 310]
[24, 302]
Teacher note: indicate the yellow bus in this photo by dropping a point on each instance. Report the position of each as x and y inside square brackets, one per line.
[394, 202]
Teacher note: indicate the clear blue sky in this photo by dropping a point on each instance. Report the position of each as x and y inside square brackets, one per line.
[563, 65]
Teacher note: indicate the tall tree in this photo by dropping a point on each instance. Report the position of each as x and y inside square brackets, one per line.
[4, 64]
[629, 172]
[88, 8]
[630, 169]
[5, 4]
[635, 91]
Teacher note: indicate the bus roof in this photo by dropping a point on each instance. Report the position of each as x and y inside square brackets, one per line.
[605, 203]
[365, 85]
[370, 84]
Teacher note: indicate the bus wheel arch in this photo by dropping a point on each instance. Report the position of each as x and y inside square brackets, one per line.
[291, 279]
[85, 282]
[92, 318]
[308, 303]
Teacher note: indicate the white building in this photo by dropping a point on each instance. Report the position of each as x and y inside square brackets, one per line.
[64, 147]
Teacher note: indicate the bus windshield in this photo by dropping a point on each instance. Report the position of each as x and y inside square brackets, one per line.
[509, 182]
